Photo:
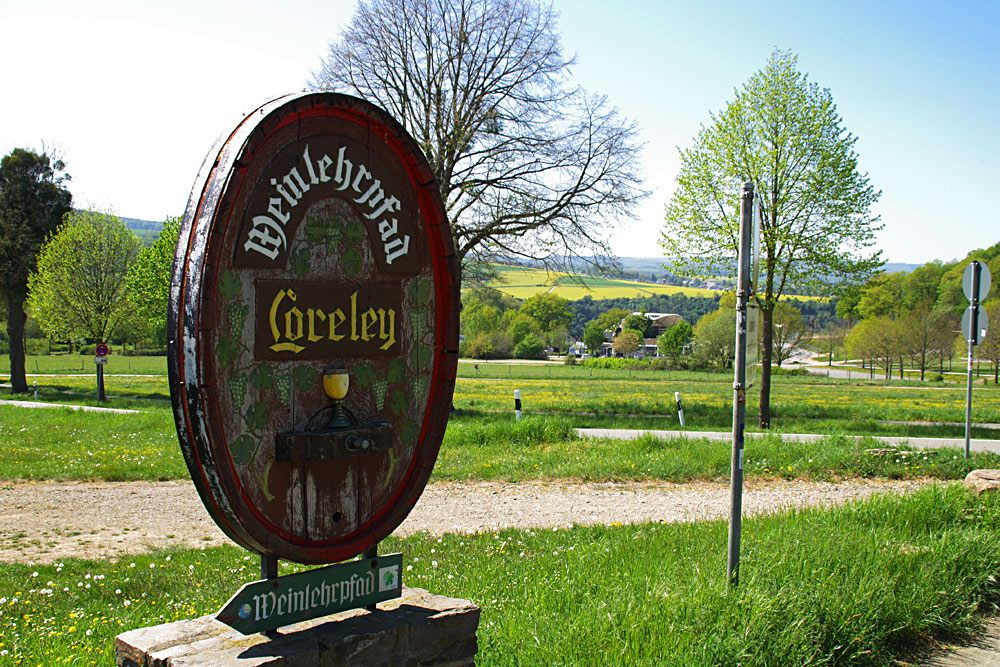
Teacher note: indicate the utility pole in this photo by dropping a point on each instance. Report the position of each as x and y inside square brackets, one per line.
[739, 384]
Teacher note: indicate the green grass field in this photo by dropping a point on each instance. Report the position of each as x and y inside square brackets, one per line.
[860, 585]
[523, 283]
[863, 584]
[484, 442]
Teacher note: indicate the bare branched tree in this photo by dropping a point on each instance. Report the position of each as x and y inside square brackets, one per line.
[528, 165]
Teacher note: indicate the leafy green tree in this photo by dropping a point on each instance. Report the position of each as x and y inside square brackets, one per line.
[989, 348]
[640, 323]
[877, 339]
[527, 164]
[487, 345]
[490, 297]
[832, 339]
[520, 326]
[482, 318]
[79, 290]
[627, 342]
[530, 347]
[883, 295]
[924, 332]
[789, 330]
[672, 341]
[33, 200]
[715, 339]
[148, 279]
[920, 287]
[612, 318]
[847, 304]
[593, 336]
[783, 133]
[552, 312]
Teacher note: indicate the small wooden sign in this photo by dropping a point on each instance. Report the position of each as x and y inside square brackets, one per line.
[272, 603]
[315, 239]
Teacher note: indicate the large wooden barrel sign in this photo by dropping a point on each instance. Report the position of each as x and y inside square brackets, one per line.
[313, 328]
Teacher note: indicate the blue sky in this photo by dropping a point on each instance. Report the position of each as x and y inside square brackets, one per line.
[134, 93]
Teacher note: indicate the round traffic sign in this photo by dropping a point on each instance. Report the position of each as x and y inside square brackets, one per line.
[984, 280]
[982, 324]
[101, 350]
[313, 328]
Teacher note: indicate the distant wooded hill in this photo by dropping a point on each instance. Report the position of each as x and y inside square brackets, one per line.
[147, 230]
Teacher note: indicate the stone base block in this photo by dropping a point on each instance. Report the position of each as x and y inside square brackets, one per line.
[418, 629]
[983, 480]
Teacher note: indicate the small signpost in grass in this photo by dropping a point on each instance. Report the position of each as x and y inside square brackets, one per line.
[272, 603]
[975, 285]
[101, 353]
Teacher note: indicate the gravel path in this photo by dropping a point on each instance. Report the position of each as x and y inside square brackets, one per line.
[45, 522]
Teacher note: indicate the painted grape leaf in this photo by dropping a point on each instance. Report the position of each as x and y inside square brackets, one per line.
[257, 416]
[229, 284]
[354, 231]
[226, 350]
[420, 357]
[421, 290]
[399, 403]
[364, 375]
[300, 262]
[316, 229]
[351, 262]
[396, 371]
[262, 376]
[242, 449]
[410, 433]
[304, 377]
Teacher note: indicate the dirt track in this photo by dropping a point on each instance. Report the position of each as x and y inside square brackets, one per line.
[44, 522]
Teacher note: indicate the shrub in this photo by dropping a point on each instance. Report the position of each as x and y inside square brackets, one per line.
[935, 377]
[37, 346]
[530, 347]
[493, 345]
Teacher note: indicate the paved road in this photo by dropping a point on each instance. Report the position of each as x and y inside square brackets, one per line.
[975, 445]
[984, 651]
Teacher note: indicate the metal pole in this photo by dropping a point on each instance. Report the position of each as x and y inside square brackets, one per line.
[973, 338]
[739, 385]
[100, 383]
[371, 553]
[268, 566]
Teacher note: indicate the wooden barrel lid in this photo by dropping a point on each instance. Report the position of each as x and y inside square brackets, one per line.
[314, 238]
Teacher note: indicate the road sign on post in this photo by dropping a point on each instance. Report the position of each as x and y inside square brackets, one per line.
[975, 335]
[743, 293]
[969, 286]
[976, 285]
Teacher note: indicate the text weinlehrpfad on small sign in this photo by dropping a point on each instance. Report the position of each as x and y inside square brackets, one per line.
[314, 245]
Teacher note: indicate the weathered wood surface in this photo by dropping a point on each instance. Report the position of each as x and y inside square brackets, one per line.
[315, 235]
